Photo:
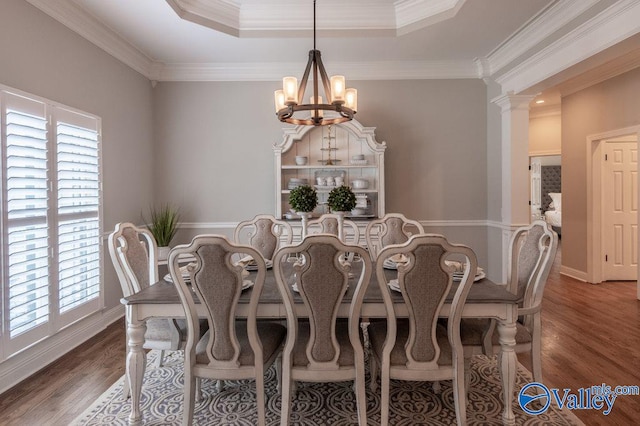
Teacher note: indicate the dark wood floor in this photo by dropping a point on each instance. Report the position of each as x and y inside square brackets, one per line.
[591, 335]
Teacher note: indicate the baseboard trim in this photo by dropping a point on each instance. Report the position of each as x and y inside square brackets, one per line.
[573, 273]
[31, 360]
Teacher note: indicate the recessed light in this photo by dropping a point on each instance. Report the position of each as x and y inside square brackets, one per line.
[540, 101]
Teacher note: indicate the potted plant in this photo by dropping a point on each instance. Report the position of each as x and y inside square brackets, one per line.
[303, 199]
[341, 199]
[163, 226]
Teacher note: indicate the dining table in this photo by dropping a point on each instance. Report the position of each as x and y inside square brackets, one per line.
[485, 299]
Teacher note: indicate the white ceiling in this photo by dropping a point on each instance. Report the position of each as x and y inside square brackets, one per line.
[416, 35]
[205, 40]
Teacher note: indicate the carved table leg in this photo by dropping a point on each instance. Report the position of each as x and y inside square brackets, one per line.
[508, 363]
[136, 361]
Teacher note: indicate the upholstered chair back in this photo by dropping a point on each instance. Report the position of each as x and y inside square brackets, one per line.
[133, 252]
[425, 280]
[392, 228]
[322, 280]
[264, 233]
[533, 249]
[217, 282]
[329, 223]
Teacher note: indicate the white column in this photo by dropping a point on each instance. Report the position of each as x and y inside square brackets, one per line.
[515, 167]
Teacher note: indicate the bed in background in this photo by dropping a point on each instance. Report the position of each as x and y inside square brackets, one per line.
[554, 215]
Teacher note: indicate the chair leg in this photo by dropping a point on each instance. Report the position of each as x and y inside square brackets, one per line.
[279, 374]
[361, 396]
[285, 409]
[189, 397]
[220, 385]
[160, 359]
[536, 361]
[460, 396]
[384, 400]
[467, 373]
[437, 387]
[260, 397]
[198, 391]
[373, 367]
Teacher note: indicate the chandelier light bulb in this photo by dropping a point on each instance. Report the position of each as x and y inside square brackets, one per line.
[290, 88]
[337, 89]
[351, 99]
[279, 100]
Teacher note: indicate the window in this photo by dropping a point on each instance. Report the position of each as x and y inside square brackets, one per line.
[51, 218]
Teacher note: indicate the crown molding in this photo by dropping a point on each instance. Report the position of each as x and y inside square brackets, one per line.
[409, 70]
[612, 69]
[285, 18]
[533, 32]
[609, 27]
[411, 15]
[81, 22]
[226, 12]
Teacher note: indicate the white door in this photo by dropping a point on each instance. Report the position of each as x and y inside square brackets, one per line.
[536, 187]
[619, 210]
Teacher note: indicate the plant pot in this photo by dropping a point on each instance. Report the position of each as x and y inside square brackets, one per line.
[163, 252]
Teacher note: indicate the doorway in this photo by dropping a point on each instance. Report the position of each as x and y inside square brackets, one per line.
[620, 208]
[612, 197]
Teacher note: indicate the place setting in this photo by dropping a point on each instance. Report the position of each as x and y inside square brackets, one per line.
[184, 271]
[249, 263]
[457, 275]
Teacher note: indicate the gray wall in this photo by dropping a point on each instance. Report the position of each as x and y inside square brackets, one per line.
[214, 147]
[43, 57]
[610, 105]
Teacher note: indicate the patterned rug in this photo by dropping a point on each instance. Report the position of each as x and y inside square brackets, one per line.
[412, 403]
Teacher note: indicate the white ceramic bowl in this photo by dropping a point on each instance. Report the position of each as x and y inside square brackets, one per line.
[360, 184]
[301, 160]
[358, 212]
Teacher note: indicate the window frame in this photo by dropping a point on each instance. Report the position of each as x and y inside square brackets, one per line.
[54, 114]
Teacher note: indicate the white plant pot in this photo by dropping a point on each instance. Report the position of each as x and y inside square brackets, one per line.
[163, 252]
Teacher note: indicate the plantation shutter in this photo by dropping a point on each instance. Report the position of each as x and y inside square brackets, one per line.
[25, 207]
[51, 252]
[78, 208]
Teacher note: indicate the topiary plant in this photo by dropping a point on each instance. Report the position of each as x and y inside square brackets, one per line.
[341, 199]
[303, 198]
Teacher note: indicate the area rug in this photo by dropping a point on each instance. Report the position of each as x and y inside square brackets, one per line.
[412, 403]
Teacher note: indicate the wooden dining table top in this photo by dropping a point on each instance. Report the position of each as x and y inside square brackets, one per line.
[482, 291]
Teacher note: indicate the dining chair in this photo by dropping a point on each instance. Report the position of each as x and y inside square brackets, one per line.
[418, 347]
[264, 233]
[532, 252]
[232, 349]
[329, 223]
[392, 228]
[134, 254]
[322, 348]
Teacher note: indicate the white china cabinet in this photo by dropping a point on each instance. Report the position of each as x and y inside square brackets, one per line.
[324, 157]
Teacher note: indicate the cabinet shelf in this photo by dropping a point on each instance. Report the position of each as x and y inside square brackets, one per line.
[326, 191]
[332, 167]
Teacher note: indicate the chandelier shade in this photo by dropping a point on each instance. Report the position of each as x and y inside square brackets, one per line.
[340, 100]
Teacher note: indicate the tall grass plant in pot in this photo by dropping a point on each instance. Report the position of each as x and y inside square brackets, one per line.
[163, 224]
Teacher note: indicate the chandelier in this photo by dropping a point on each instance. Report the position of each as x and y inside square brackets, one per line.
[289, 100]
